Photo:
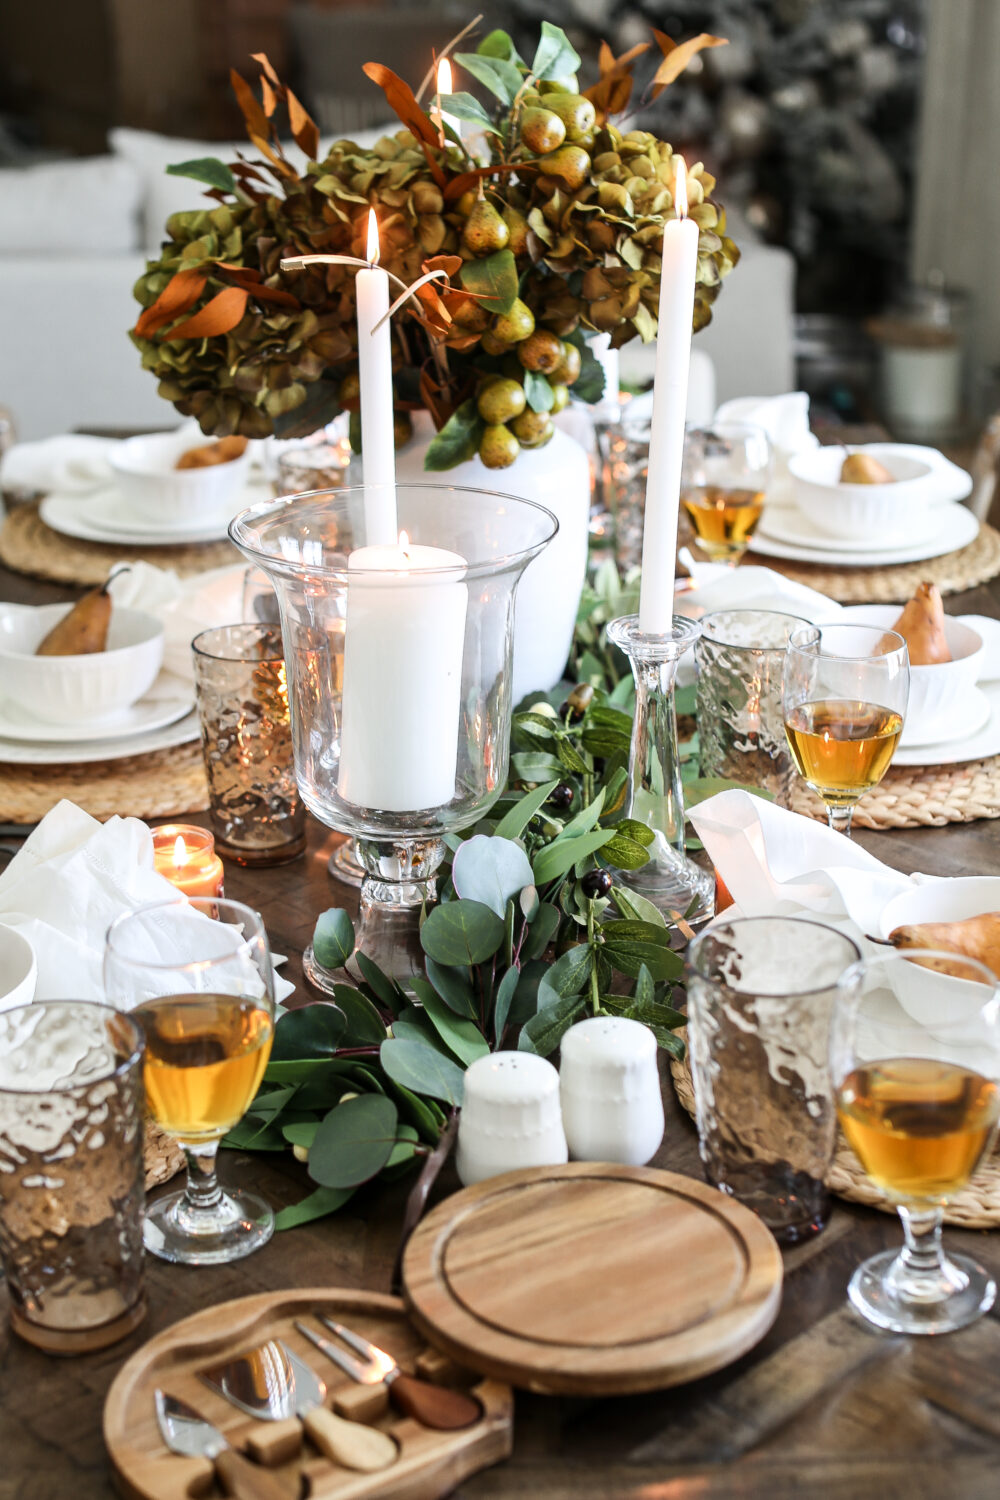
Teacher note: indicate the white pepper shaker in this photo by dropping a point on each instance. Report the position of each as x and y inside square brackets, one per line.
[510, 1117]
[610, 1089]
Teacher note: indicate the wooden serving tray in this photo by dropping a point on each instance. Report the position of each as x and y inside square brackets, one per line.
[592, 1279]
[430, 1463]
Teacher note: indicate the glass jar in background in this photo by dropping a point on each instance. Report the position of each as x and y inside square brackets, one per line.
[624, 469]
[921, 342]
[314, 466]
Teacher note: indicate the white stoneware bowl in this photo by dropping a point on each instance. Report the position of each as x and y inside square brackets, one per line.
[158, 493]
[77, 689]
[936, 692]
[18, 971]
[879, 511]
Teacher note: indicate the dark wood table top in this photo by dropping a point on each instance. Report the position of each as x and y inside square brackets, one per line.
[824, 1407]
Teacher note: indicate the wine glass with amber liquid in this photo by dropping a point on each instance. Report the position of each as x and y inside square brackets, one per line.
[844, 694]
[723, 481]
[196, 975]
[915, 1059]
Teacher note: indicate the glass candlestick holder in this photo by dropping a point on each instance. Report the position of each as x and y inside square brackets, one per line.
[399, 676]
[670, 880]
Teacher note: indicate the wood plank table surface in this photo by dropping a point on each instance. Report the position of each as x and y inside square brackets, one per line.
[824, 1407]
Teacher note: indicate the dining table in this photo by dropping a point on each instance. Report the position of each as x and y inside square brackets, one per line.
[824, 1406]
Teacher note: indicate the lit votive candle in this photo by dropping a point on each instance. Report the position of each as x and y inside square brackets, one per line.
[186, 856]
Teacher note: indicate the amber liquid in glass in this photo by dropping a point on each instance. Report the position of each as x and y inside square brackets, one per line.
[205, 1057]
[841, 746]
[724, 518]
[918, 1127]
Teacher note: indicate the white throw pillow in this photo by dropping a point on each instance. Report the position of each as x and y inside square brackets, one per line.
[85, 206]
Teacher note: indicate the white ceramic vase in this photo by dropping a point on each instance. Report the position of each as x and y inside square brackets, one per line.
[558, 477]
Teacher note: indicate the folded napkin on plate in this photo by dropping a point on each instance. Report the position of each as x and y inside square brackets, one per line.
[69, 464]
[185, 605]
[785, 419]
[779, 863]
[66, 886]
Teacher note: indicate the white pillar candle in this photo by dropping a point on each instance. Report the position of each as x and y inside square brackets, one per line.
[375, 375]
[666, 446]
[404, 644]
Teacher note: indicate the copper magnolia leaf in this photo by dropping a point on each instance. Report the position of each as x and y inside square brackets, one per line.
[179, 294]
[266, 67]
[253, 113]
[401, 100]
[219, 315]
[676, 57]
[268, 97]
[250, 281]
[465, 180]
[304, 129]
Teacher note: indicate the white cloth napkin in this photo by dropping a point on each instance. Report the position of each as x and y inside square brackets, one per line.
[185, 605]
[779, 863]
[70, 464]
[785, 419]
[67, 884]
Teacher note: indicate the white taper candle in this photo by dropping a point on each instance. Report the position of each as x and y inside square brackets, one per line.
[375, 375]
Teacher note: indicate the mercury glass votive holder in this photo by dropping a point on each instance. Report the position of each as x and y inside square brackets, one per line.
[313, 466]
[624, 448]
[71, 1173]
[739, 659]
[255, 810]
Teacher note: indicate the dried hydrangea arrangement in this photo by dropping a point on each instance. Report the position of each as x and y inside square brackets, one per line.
[557, 235]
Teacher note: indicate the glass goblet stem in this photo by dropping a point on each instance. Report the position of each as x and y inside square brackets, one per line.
[202, 1192]
[839, 818]
[922, 1272]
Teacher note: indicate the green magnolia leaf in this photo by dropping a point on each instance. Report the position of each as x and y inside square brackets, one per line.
[543, 929]
[624, 853]
[466, 107]
[536, 724]
[364, 1024]
[461, 932]
[313, 1031]
[540, 394]
[354, 1141]
[589, 384]
[502, 1004]
[555, 56]
[513, 823]
[206, 169]
[420, 1068]
[570, 757]
[333, 938]
[457, 441]
[645, 992]
[600, 740]
[629, 957]
[501, 77]
[615, 932]
[567, 976]
[636, 907]
[611, 718]
[453, 987]
[316, 1206]
[544, 1031]
[499, 44]
[462, 1037]
[640, 832]
[494, 278]
[558, 857]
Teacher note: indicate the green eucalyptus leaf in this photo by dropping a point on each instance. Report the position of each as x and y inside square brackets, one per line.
[206, 169]
[494, 279]
[249, 1134]
[312, 1031]
[453, 987]
[354, 1141]
[315, 1206]
[585, 819]
[561, 855]
[457, 441]
[543, 928]
[461, 932]
[333, 938]
[502, 1004]
[301, 1133]
[420, 1113]
[541, 396]
[529, 765]
[555, 56]
[385, 991]
[567, 976]
[544, 1031]
[463, 1038]
[502, 78]
[422, 1069]
[364, 1024]
[490, 871]
[513, 823]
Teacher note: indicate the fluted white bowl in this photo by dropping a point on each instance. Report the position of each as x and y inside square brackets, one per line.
[159, 493]
[878, 511]
[18, 970]
[936, 692]
[78, 689]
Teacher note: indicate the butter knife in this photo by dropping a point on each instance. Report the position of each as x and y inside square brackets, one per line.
[186, 1433]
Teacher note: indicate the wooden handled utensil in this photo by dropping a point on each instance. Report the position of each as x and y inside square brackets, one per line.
[432, 1405]
[188, 1434]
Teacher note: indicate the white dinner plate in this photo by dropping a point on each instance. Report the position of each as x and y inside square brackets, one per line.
[957, 528]
[109, 511]
[98, 517]
[984, 742]
[148, 714]
[966, 720]
[781, 523]
[40, 753]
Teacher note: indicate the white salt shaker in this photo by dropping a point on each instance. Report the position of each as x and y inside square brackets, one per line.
[510, 1117]
[612, 1107]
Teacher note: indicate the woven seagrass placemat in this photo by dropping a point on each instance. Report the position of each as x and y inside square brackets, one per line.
[162, 1157]
[159, 784]
[28, 546]
[954, 572]
[977, 1206]
[919, 796]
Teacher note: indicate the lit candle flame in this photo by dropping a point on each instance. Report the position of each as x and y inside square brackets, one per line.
[444, 84]
[404, 541]
[373, 244]
[680, 188]
[180, 852]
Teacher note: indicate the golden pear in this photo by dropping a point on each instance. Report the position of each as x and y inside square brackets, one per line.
[84, 631]
[975, 937]
[922, 627]
[861, 468]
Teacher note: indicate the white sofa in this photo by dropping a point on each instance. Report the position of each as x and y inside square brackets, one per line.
[73, 239]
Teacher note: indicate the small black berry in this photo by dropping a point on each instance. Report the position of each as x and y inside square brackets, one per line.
[561, 796]
[596, 883]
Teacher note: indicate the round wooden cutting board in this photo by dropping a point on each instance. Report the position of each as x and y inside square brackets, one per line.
[592, 1279]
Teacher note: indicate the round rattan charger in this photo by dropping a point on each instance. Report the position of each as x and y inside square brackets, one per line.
[919, 796]
[159, 784]
[975, 1207]
[953, 573]
[28, 546]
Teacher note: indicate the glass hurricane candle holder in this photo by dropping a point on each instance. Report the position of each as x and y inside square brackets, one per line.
[186, 856]
[669, 879]
[399, 673]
